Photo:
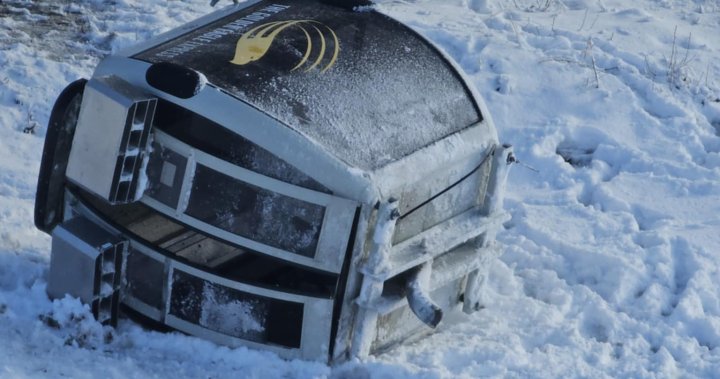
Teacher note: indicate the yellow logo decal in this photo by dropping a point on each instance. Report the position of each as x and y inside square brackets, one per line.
[255, 43]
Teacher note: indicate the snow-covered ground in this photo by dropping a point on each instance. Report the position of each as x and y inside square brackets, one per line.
[613, 252]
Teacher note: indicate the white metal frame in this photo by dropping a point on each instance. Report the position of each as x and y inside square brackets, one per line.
[317, 312]
[335, 228]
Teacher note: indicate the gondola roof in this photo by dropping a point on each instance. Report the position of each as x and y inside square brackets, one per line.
[363, 86]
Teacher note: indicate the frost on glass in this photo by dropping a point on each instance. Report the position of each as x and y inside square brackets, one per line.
[255, 213]
[372, 115]
[235, 313]
[228, 314]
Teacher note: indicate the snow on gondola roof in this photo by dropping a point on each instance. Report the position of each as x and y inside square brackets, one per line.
[366, 88]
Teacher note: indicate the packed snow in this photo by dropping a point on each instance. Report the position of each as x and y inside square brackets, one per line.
[612, 256]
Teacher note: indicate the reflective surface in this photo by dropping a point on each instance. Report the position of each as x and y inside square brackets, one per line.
[255, 213]
[236, 313]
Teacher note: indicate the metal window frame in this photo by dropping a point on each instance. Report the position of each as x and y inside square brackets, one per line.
[335, 228]
[317, 311]
[258, 127]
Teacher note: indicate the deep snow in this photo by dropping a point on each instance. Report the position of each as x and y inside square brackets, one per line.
[612, 255]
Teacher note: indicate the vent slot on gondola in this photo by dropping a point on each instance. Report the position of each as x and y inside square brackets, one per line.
[111, 136]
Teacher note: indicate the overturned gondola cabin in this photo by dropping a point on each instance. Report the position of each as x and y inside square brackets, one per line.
[293, 176]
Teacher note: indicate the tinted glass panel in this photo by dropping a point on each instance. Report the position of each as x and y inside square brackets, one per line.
[361, 84]
[203, 134]
[145, 278]
[236, 313]
[255, 213]
[199, 249]
[417, 217]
